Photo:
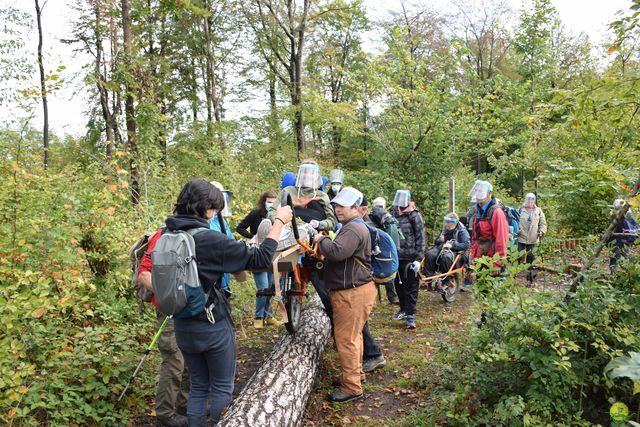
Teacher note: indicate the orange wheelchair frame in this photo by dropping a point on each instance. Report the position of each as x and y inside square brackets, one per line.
[447, 288]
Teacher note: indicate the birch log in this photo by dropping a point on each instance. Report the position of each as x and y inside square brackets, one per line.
[277, 393]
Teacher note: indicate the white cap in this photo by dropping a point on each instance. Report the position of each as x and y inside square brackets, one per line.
[348, 197]
[379, 201]
[530, 196]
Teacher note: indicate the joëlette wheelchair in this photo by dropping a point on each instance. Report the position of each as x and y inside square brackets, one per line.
[448, 284]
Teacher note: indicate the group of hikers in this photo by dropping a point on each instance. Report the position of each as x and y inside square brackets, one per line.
[198, 350]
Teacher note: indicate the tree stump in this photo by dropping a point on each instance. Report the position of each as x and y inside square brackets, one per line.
[277, 393]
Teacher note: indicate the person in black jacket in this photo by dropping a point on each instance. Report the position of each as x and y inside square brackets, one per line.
[410, 253]
[248, 228]
[209, 348]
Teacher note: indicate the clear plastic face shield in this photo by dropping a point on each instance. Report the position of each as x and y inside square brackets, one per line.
[480, 191]
[308, 176]
[530, 201]
[402, 199]
[336, 176]
[227, 212]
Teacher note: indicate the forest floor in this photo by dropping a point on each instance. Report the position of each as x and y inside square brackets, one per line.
[409, 389]
[419, 371]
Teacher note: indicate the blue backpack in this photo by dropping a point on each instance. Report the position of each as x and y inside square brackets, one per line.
[384, 255]
[513, 218]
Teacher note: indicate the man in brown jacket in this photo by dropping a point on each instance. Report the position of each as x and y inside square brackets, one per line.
[347, 275]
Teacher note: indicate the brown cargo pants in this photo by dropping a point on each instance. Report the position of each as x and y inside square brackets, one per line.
[351, 309]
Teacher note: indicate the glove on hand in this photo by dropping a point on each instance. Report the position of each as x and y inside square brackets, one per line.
[415, 267]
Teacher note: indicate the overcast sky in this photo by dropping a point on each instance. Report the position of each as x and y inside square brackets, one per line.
[67, 107]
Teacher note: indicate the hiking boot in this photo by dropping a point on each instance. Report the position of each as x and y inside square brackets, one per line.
[174, 421]
[399, 315]
[340, 397]
[258, 323]
[271, 321]
[411, 323]
[373, 363]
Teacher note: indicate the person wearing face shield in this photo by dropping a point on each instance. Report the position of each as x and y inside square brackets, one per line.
[410, 253]
[533, 225]
[453, 238]
[311, 206]
[489, 228]
[336, 179]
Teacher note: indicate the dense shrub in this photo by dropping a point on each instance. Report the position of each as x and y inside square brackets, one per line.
[540, 357]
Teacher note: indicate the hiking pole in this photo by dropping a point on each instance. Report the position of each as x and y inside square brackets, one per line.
[146, 353]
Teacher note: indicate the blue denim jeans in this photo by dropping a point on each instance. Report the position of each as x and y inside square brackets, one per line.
[263, 280]
[210, 354]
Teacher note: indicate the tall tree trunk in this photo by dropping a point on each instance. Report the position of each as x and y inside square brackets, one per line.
[129, 109]
[100, 82]
[194, 89]
[274, 121]
[211, 69]
[43, 88]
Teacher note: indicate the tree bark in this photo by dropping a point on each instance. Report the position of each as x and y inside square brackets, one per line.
[100, 83]
[277, 393]
[43, 88]
[212, 86]
[128, 108]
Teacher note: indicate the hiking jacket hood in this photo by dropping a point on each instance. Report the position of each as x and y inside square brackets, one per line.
[341, 270]
[387, 223]
[216, 253]
[412, 227]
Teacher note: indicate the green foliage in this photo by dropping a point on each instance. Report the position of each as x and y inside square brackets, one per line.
[539, 358]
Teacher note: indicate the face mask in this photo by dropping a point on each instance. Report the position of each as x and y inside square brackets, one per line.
[268, 206]
[336, 188]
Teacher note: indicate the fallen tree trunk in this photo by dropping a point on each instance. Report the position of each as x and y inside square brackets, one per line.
[277, 393]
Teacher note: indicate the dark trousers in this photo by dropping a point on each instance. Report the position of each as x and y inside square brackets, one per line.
[391, 293]
[371, 349]
[210, 354]
[439, 261]
[531, 256]
[407, 287]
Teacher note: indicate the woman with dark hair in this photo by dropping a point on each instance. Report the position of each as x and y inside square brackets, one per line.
[248, 228]
[209, 347]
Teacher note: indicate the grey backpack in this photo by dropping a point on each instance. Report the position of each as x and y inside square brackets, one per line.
[174, 275]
